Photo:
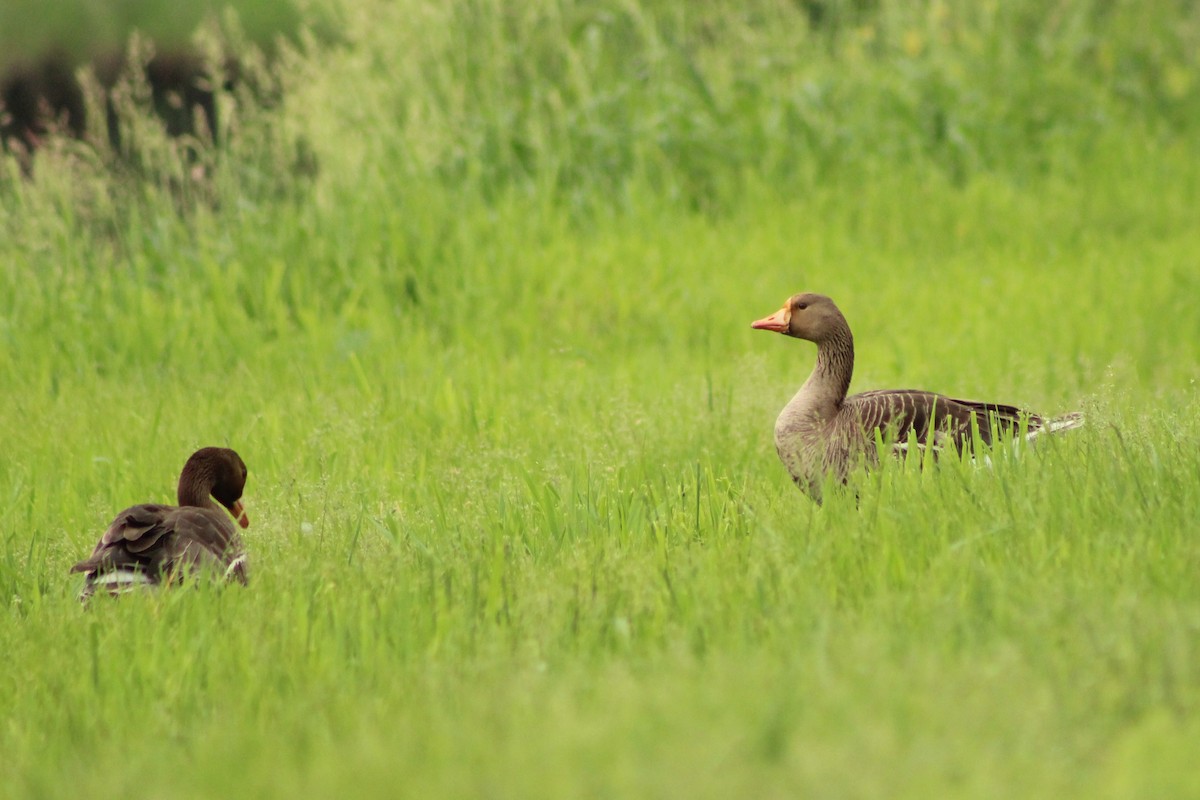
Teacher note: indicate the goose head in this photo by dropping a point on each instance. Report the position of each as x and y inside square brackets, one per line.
[215, 472]
[805, 316]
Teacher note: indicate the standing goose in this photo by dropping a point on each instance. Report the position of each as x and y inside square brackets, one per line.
[823, 432]
[154, 544]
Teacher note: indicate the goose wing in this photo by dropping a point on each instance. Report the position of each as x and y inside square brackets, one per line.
[146, 543]
[900, 413]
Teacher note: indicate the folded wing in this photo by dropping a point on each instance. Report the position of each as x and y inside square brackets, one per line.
[153, 544]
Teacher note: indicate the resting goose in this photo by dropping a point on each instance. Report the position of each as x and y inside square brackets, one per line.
[153, 544]
[823, 433]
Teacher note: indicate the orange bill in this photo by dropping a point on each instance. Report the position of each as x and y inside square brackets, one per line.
[239, 513]
[777, 322]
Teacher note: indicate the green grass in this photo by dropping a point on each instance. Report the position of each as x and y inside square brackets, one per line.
[518, 528]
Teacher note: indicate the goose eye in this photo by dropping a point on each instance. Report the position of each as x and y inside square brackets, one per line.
[801, 306]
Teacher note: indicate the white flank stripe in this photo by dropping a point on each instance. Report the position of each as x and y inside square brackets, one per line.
[233, 565]
[122, 578]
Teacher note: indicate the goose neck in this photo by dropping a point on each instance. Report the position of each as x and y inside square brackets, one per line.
[195, 489]
[834, 368]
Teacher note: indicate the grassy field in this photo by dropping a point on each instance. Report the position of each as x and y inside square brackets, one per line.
[518, 527]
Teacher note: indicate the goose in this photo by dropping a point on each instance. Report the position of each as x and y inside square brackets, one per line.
[821, 433]
[151, 544]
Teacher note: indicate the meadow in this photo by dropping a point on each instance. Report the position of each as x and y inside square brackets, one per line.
[518, 528]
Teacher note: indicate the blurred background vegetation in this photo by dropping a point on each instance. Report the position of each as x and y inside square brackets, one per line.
[582, 100]
[81, 29]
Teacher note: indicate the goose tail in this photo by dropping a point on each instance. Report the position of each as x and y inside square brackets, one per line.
[1064, 422]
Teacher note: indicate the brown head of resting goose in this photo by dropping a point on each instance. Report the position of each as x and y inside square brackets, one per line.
[158, 544]
[824, 434]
